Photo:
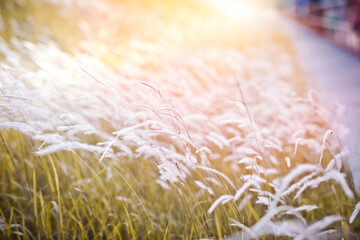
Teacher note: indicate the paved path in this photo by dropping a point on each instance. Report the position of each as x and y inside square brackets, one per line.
[335, 71]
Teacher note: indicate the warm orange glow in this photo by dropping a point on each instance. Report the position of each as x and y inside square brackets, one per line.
[244, 10]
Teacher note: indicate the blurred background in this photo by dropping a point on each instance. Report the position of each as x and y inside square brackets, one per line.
[338, 20]
[321, 35]
[326, 38]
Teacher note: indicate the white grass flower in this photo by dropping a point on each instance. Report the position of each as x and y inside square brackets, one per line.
[355, 213]
[221, 200]
[204, 187]
[314, 230]
[211, 170]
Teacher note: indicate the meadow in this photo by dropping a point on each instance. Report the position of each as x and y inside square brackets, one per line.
[163, 120]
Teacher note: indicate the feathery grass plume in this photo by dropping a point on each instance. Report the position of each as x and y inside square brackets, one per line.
[221, 200]
[334, 175]
[289, 228]
[305, 208]
[246, 185]
[204, 187]
[315, 229]
[211, 170]
[264, 226]
[300, 183]
[21, 127]
[109, 146]
[284, 182]
[69, 146]
[355, 213]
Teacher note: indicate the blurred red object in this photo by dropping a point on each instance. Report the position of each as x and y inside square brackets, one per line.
[337, 20]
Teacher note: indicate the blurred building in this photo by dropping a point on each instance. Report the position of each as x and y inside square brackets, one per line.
[338, 20]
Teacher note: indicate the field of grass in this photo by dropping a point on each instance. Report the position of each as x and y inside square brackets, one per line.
[163, 120]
